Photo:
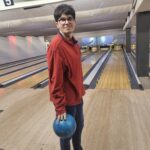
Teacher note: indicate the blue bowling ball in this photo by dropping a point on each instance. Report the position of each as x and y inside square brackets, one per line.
[65, 128]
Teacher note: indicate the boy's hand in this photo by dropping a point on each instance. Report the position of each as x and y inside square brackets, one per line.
[61, 117]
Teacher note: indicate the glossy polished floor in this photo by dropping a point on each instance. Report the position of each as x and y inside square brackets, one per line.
[114, 120]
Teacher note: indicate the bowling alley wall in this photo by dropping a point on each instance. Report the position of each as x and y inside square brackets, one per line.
[13, 48]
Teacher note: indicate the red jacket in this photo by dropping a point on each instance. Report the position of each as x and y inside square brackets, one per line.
[65, 73]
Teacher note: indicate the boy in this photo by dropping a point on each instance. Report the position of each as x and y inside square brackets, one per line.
[65, 73]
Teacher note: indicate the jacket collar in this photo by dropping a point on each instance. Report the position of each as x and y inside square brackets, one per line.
[73, 41]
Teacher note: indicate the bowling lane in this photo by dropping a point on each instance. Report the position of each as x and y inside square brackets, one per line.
[33, 80]
[18, 73]
[30, 81]
[89, 62]
[115, 74]
[21, 66]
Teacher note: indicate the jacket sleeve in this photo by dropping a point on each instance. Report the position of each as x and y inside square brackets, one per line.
[56, 79]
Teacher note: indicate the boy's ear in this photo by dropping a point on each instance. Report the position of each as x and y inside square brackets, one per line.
[56, 23]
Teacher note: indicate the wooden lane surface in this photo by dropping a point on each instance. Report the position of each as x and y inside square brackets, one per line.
[18, 73]
[30, 81]
[115, 74]
[89, 62]
[20, 66]
[120, 120]
[114, 120]
[24, 119]
[33, 80]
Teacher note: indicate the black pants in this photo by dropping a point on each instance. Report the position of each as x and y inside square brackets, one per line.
[77, 112]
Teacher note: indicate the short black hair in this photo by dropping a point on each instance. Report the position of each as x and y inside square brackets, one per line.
[64, 9]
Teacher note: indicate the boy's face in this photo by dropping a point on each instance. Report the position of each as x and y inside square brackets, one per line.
[66, 24]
